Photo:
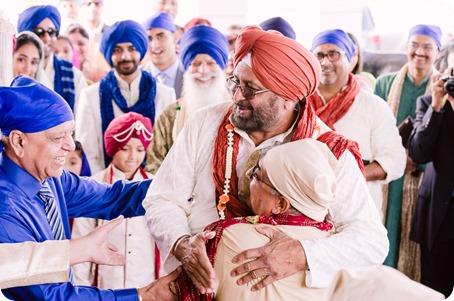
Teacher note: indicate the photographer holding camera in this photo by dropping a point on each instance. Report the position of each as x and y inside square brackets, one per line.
[432, 142]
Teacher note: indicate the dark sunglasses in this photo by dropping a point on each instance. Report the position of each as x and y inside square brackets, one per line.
[40, 32]
[247, 92]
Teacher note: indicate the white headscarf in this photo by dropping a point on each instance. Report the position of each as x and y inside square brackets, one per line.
[304, 172]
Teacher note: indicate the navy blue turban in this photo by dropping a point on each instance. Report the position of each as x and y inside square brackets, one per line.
[32, 16]
[431, 31]
[280, 25]
[337, 37]
[160, 20]
[31, 107]
[124, 32]
[202, 39]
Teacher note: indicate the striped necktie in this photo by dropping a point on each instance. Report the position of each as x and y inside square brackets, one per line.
[53, 217]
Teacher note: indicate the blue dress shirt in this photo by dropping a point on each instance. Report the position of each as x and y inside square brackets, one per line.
[23, 218]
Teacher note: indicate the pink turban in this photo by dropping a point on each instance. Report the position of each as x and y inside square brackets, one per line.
[281, 64]
[125, 127]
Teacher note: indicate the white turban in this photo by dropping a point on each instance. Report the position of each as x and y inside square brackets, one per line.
[304, 172]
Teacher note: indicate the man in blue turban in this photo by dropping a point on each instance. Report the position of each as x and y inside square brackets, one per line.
[37, 196]
[343, 105]
[279, 24]
[401, 89]
[124, 89]
[65, 79]
[165, 64]
[204, 52]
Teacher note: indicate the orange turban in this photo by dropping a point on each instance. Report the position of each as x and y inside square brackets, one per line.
[281, 64]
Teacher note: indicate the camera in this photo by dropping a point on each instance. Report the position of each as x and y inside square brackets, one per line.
[449, 83]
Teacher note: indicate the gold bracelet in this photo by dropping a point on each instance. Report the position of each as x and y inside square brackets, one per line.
[175, 245]
[138, 294]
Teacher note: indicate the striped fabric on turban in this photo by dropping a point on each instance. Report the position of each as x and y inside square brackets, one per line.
[125, 127]
[281, 64]
[32, 16]
[124, 32]
[30, 107]
[203, 39]
[304, 171]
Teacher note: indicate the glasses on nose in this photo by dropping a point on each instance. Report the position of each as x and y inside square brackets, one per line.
[333, 55]
[254, 175]
[40, 32]
[247, 92]
[425, 47]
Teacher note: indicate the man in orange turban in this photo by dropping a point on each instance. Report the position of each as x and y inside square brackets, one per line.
[203, 177]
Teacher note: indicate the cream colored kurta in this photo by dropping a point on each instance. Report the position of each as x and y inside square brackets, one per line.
[30, 263]
[89, 122]
[370, 122]
[240, 237]
[131, 238]
[186, 174]
[80, 81]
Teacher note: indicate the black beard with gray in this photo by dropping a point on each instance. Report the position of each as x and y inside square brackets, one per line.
[262, 117]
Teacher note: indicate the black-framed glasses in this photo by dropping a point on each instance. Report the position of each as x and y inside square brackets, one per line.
[333, 55]
[254, 174]
[247, 92]
[40, 32]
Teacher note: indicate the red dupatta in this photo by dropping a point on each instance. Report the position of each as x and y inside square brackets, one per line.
[338, 106]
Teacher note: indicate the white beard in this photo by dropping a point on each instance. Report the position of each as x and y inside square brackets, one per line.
[197, 96]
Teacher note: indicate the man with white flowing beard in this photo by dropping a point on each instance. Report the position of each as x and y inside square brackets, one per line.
[204, 52]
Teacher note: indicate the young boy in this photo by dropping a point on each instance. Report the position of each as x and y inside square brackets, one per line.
[126, 140]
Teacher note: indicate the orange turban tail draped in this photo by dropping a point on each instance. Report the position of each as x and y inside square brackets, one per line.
[281, 64]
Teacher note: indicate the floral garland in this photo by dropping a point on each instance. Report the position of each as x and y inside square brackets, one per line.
[224, 198]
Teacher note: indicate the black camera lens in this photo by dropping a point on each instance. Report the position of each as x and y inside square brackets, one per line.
[449, 86]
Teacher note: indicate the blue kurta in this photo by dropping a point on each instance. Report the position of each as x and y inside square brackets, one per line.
[23, 218]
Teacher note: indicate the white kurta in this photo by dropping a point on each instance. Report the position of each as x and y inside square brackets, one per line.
[131, 238]
[187, 173]
[370, 122]
[30, 263]
[80, 82]
[89, 122]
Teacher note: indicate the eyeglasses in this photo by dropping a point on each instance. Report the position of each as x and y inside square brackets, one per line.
[425, 47]
[254, 175]
[333, 55]
[40, 32]
[247, 92]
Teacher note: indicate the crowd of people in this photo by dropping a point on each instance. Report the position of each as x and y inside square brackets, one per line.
[234, 164]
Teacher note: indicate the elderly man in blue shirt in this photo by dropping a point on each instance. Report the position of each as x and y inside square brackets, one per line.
[37, 196]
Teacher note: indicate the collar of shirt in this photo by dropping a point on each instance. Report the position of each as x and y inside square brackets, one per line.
[19, 177]
[424, 81]
[170, 72]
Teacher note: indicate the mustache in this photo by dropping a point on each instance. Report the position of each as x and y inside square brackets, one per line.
[204, 75]
[243, 104]
[125, 62]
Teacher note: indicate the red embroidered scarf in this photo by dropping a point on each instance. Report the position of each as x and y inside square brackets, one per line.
[338, 106]
[187, 291]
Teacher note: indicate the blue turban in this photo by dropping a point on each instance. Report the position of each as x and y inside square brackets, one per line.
[160, 20]
[202, 39]
[431, 31]
[337, 37]
[32, 16]
[31, 107]
[124, 32]
[280, 25]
